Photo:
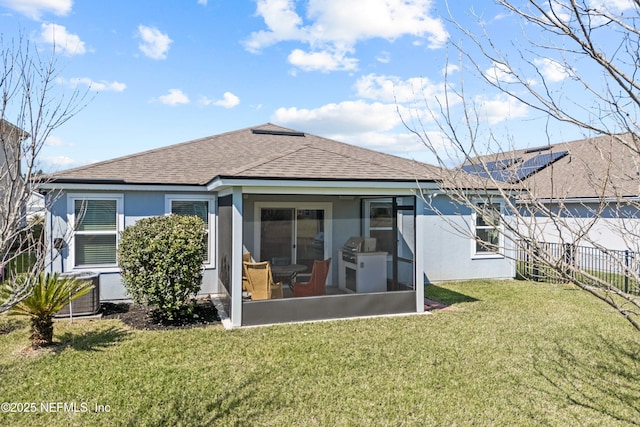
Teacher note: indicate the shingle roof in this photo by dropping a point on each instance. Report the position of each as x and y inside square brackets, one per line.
[263, 152]
[604, 166]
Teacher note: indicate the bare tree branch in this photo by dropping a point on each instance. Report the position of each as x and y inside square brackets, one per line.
[594, 49]
[32, 106]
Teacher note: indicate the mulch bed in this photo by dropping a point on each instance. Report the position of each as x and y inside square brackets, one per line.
[146, 318]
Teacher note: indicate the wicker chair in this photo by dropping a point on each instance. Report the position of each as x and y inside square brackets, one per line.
[260, 281]
[246, 257]
[316, 284]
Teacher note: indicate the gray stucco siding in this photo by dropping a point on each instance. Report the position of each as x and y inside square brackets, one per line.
[613, 225]
[446, 253]
[136, 205]
[449, 249]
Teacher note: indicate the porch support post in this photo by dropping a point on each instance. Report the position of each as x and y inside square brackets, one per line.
[236, 256]
[418, 256]
[48, 235]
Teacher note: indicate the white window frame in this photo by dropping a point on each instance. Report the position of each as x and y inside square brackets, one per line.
[212, 226]
[71, 221]
[367, 217]
[474, 216]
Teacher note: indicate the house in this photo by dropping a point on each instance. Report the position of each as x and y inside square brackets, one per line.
[582, 192]
[282, 196]
[11, 137]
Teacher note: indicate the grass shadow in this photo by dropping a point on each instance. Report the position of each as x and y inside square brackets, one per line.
[95, 340]
[576, 380]
[445, 296]
[225, 406]
[9, 325]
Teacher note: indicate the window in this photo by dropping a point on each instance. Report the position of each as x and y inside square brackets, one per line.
[97, 222]
[200, 207]
[488, 224]
[379, 223]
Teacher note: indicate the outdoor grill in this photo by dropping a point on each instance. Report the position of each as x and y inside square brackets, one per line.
[355, 245]
[361, 269]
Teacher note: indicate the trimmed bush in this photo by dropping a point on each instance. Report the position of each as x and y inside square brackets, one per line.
[161, 259]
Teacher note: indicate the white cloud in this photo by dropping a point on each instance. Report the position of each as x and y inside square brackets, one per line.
[358, 123]
[229, 100]
[155, 44]
[349, 117]
[500, 73]
[500, 108]
[384, 57]
[63, 41]
[349, 22]
[450, 68]
[101, 86]
[281, 19]
[393, 89]
[203, 2]
[58, 161]
[54, 141]
[335, 27]
[174, 97]
[324, 61]
[553, 71]
[34, 9]
[612, 6]
[392, 142]
[600, 11]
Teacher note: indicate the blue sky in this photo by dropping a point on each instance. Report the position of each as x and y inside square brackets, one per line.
[163, 72]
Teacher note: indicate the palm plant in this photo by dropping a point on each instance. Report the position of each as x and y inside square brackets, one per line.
[49, 294]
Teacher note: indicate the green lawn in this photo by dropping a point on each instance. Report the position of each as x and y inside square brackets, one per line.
[510, 353]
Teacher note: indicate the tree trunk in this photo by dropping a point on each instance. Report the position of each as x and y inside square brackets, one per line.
[41, 331]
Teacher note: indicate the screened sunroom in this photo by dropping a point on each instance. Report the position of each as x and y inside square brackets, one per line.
[327, 256]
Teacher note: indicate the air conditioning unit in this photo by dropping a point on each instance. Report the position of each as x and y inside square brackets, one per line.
[86, 305]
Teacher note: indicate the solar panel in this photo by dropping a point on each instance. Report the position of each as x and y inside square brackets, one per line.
[475, 169]
[511, 170]
[536, 164]
[495, 169]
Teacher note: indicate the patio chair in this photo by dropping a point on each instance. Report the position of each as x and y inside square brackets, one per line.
[260, 281]
[315, 285]
[246, 257]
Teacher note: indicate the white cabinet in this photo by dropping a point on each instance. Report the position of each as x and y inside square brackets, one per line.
[367, 274]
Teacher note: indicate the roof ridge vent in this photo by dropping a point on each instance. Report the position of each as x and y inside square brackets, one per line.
[538, 149]
[276, 132]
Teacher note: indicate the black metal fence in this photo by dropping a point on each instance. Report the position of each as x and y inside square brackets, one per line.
[564, 262]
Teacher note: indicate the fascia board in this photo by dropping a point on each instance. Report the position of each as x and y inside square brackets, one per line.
[120, 187]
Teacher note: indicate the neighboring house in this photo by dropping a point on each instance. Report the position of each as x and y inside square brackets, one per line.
[11, 181]
[35, 206]
[287, 197]
[10, 138]
[591, 185]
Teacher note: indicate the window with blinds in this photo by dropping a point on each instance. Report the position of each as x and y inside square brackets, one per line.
[199, 208]
[96, 232]
[189, 207]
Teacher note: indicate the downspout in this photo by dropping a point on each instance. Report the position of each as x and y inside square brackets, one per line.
[50, 231]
